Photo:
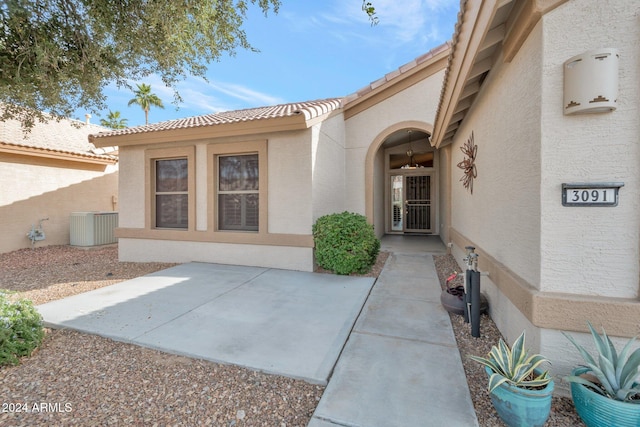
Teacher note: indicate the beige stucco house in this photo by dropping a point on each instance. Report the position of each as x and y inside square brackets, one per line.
[245, 187]
[51, 172]
[545, 90]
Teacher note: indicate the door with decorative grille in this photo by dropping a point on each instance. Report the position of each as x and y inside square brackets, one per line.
[418, 203]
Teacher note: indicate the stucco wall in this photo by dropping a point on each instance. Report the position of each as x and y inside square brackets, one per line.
[288, 195]
[503, 312]
[444, 186]
[328, 166]
[284, 257]
[289, 182]
[591, 250]
[416, 103]
[380, 184]
[527, 148]
[131, 187]
[34, 188]
[502, 216]
[290, 190]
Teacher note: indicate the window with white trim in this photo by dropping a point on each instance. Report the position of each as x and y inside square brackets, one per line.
[238, 192]
[171, 196]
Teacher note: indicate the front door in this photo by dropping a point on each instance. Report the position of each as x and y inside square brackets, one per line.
[411, 203]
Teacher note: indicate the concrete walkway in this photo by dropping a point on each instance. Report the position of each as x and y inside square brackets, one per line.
[401, 366]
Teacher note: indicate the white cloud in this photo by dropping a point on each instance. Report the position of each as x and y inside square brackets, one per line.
[245, 94]
[210, 96]
[411, 20]
[400, 21]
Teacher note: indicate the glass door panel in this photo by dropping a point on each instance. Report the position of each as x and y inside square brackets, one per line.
[397, 203]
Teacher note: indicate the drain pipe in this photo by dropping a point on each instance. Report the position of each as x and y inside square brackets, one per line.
[472, 292]
[467, 283]
[475, 299]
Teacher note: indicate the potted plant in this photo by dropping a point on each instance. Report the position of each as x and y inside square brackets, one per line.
[520, 391]
[606, 390]
[452, 297]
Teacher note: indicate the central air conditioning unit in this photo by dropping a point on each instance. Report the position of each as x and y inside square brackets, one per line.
[93, 228]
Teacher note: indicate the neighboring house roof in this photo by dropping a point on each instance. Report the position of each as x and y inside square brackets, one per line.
[487, 30]
[297, 115]
[64, 139]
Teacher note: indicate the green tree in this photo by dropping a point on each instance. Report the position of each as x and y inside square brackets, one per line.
[114, 121]
[370, 10]
[58, 55]
[145, 99]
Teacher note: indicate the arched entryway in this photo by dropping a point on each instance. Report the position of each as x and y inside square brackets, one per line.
[401, 181]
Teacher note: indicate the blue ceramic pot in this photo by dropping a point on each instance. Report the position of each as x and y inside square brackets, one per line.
[519, 407]
[597, 410]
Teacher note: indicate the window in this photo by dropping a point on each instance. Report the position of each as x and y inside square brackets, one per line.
[238, 192]
[171, 193]
[170, 188]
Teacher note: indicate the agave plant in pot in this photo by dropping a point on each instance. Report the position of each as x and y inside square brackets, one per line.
[520, 390]
[606, 390]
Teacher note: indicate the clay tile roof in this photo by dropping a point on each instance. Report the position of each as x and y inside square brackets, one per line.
[308, 109]
[55, 137]
[397, 74]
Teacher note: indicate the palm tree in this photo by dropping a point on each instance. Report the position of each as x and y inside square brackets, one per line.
[145, 99]
[114, 121]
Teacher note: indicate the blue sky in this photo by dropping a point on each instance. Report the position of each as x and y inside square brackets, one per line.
[309, 50]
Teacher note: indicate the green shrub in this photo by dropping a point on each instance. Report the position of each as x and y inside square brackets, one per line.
[21, 329]
[345, 243]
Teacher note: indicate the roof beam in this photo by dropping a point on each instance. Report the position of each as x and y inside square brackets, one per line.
[457, 117]
[462, 106]
[470, 89]
[494, 37]
[449, 136]
[473, 26]
[481, 67]
[453, 127]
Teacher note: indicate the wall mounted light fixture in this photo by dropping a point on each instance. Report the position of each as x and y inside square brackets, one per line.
[591, 82]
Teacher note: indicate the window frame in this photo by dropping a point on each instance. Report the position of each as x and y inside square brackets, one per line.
[214, 152]
[151, 157]
[238, 193]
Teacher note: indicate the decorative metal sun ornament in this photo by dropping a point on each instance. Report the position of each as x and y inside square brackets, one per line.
[468, 165]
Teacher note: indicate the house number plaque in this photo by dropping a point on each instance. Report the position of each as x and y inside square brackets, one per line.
[591, 194]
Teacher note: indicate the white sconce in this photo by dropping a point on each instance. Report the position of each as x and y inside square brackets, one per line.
[591, 82]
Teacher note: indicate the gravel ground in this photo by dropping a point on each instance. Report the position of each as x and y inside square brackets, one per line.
[89, 380]
[48, 273]
[562, 414]
[80, 379]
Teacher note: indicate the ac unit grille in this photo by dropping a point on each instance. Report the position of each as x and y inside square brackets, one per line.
[93, 228]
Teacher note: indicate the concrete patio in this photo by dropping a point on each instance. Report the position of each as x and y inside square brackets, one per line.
[281, 322]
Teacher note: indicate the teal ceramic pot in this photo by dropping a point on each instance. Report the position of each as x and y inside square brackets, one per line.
[519, 407]
[597, 410]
